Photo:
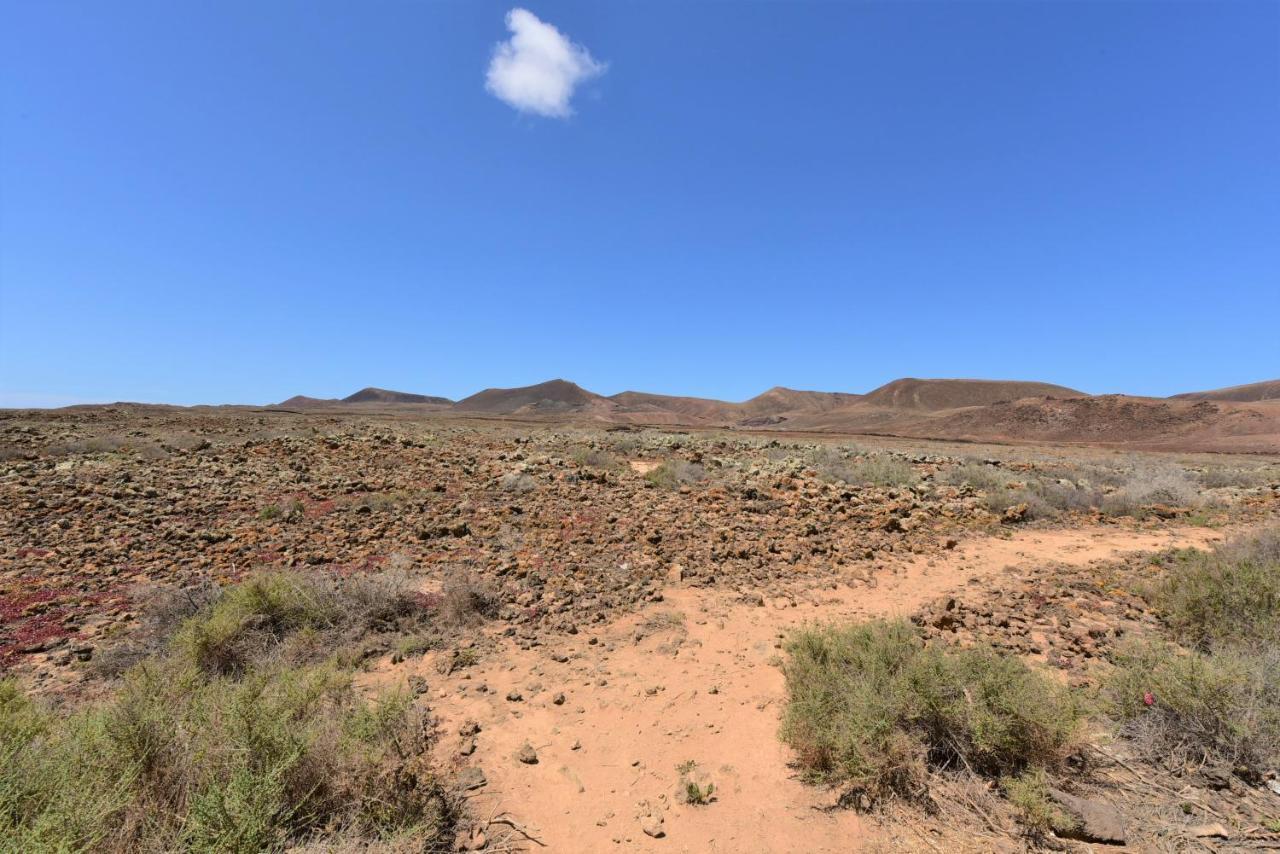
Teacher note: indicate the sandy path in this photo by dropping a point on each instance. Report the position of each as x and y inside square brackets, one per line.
[692, 678]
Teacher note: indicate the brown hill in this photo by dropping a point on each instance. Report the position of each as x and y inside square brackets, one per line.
[1266, 390]
[1120, 420]
[779, 400]
[554, 396]
[936, 395]
[382, 395]
[769, 406]
[692, 409]
[301, 401]
[1114, 420]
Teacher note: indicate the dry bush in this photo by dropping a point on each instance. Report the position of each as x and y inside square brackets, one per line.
[185, 442]
[979, 476]
[871, 707]
[285, 510]
[1220, 699]
[150, 452]
[1183, 705]
[1152, 484]
[1046, 497]
[300, 619]
[177, 761]
[675, 473]
[874, 468]
[91, 445]
[1065, 495]
[466, 599]
[596, 458]
[375, 502]
[167, 609]
[625, 444]
[1228, 596]
[253, 618]
[1219, 477]
[221, 740]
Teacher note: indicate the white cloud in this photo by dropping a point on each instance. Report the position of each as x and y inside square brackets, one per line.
[537, 69]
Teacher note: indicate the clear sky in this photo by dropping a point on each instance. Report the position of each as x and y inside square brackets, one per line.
[238, 201]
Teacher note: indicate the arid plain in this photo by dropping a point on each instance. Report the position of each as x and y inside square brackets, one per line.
[939, 616]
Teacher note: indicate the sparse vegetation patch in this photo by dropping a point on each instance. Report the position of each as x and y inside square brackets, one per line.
[1217, 697]
[222, 743]
[870, 706]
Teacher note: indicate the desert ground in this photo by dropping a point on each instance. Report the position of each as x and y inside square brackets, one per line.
[590, 637]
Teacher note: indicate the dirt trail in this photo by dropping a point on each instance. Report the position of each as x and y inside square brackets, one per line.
[692, 678]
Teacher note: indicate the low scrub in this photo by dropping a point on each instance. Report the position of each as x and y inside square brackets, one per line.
[175, 761]
[1220, 477]
[1147, 486]
[1228, 596]
[222, 741]
[251, 618]
[1200, 706]
[873, 469]
[675, 473]
[978, 476]
[1029, 795]
[596, 458]
[1217, 696]
[284, 617]
[1045, 497]
[870, 706]
[286, 510]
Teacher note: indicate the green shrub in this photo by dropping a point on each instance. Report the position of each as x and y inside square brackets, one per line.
[289, 510]
[873, 468]
[1223, 705]
[675, 473]
[880, 470]
[871, 706]
[1029, 795]
[252, 617]
[1228, 596]
[175, 761]
[1219, 700]
[978, 476]
[216, 742]
[698, 794]
[696, 788]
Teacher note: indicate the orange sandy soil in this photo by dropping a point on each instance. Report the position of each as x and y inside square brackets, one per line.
[694, 677]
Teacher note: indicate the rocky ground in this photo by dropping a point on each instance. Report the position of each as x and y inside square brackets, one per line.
[640, 579]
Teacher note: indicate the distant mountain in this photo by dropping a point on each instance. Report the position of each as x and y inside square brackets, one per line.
[779, 400]
[1242, 418]
[382, 395]
[553, 396]
[698, 410]
[1251, 393]
[693, 409]
[936, 395]
[301, 401]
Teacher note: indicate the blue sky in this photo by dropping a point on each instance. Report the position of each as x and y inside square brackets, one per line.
[241, 201]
